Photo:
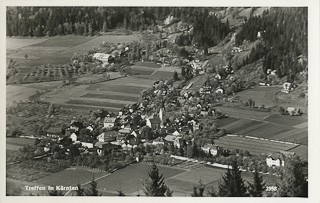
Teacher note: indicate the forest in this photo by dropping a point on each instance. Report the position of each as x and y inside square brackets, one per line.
[284, 44]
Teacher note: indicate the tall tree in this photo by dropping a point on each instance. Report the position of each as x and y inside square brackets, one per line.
[93, 190]
[232, 183]
[292, 182]
[198, 190]
[256, 188]
[155, 186]
[80, 191]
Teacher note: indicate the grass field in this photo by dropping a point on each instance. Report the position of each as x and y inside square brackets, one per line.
[134, 71]
[95, 103]
[17, 43]
[268, 130]
[117, 88]
[285, 120]
[130, 179]
[254, 146]
[243, 113]
[64, 41]
[261, 95]
[147, 64]
[17, 93]
[70, 177]
[162, 75]
[114, 97]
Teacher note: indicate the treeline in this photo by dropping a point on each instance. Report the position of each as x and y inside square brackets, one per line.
[40, 21]
[208, 30]
[285, 36]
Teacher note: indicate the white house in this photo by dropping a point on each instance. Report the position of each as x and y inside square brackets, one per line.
[73, 137]
[275, 160]
[210, 149]
[105, 58]
[108, 122]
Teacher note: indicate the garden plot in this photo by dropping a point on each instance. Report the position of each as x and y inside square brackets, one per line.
[112, 97]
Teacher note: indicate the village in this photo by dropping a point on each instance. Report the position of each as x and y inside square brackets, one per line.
[161, 99]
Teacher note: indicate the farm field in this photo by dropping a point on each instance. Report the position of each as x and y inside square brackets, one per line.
[13, 43]
[254, 146]
[114, 97]
[95, 103]
[71, 177]
[268, 130]
[110, 95]
[285, 120]
[261, 95]
[17, 93]
[129, 179]
[243, 112]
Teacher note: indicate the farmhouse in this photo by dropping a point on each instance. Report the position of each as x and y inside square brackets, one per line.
[210, 149]
[108, 122]
[105, 58]
[74, 137]
[173, 140]
[275, 160]
[293, 111]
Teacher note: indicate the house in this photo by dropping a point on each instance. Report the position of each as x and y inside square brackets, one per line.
[74, 137]
[173, 140]
[105, 58]
[109, 122]
[210, 149]
[87, 145]
[275, 160]
[287, 87]
[293, 111]
[107, 136]
[153, 123]
[105, 147]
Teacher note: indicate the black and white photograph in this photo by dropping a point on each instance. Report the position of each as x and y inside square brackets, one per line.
[160, 101]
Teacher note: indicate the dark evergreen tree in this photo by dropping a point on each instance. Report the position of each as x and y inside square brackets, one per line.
[155, 186]
[93, 190]
[175, 75]
[55, 192]
[232, 183]
[256, 188]
[198, 190]
[80, 191]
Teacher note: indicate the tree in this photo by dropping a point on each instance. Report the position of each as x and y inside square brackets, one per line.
[175, 75]
[93, 190]
[51, 109]
[120, 193]
[256, 188]
[55, 192]
[155, 186]
[232, 183]
[281, 110]
[292, 182]
[80, 191]
[198, 190]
